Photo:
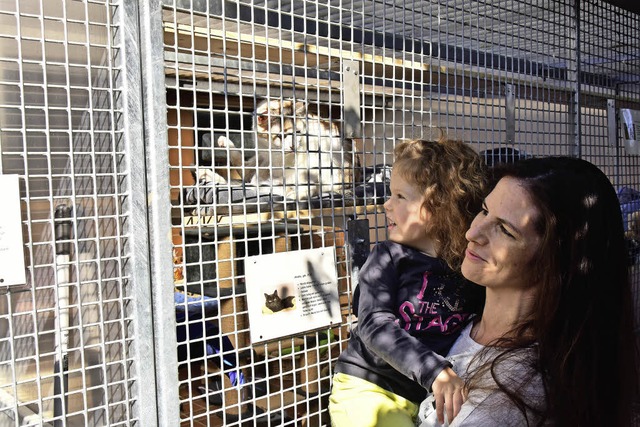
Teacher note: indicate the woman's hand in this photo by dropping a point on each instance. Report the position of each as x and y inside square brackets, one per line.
[450, 394]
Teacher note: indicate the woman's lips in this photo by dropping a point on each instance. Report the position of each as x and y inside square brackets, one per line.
[473, 256]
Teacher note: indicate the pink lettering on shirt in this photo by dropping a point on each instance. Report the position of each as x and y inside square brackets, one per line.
[425, 283]
[407, 310]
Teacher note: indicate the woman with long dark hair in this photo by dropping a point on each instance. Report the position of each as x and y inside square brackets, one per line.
[555, 343]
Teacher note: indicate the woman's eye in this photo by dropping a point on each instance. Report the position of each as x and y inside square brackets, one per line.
[484, 211]
[505, 231]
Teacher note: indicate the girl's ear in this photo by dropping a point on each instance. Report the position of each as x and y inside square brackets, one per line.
[425, 214]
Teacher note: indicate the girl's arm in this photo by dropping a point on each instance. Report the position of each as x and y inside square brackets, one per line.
[380, 331]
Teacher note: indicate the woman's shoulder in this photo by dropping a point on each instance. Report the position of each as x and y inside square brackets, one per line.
[493, 407]
[487, 404]
[489, 407]
[515, 369]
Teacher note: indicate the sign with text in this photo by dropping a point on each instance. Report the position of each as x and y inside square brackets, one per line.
[630, 130]
[290, 293]
[11, 245]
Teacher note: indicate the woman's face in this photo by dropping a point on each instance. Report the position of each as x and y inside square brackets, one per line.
[406, 217]
[502, 239]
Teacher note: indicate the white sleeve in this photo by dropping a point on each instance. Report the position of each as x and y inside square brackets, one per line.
[481, 414]
[427, 414]
[496, 409]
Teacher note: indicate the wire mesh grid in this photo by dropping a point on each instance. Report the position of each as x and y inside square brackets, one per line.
[251, 86]
[506, 77]
[66, 358]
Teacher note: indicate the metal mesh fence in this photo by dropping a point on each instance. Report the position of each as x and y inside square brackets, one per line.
[281, 118]
[66, 353]
[512, 79]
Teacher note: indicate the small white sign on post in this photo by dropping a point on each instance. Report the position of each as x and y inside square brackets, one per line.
[11, 245]
[630, 130]
[291, 292]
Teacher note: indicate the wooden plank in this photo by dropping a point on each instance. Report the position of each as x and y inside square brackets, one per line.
[261, 217]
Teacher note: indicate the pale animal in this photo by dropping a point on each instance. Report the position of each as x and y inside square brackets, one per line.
[299, 155]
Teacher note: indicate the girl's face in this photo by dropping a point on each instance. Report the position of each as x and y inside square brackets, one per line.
[406, 217]
[502, 239]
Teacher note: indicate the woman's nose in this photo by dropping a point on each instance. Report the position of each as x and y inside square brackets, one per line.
[475, 233]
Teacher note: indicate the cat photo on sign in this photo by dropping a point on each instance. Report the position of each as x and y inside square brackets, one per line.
[289, 293]
[275, 303]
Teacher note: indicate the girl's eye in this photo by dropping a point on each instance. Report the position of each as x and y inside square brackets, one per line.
[484, 211]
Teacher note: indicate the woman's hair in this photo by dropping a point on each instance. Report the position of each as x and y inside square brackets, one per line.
[581, 326]
[452, 178]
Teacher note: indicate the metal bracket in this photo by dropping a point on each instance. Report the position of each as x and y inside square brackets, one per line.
[612, 123]
[351, 97]
[359, 247]
[510, 113]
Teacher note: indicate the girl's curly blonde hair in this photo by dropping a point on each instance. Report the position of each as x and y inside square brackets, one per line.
[452, 176]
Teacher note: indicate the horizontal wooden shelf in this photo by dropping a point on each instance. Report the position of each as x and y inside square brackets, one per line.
[261, 217]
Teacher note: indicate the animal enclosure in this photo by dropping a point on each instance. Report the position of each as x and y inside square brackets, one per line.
[160, 146]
